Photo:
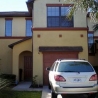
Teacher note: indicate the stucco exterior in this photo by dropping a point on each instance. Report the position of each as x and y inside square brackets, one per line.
[12, 58]
[6, 55]
[17, 50]
[2, 26]
[51, 38]
[18, 26]
[40, 10]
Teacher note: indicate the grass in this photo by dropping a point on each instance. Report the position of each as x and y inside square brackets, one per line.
[19, 94]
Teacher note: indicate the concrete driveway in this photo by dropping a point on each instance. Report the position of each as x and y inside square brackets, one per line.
[46, 93]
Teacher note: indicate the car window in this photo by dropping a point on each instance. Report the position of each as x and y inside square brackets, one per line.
[56, 66]
[75, 67]
[52, 67]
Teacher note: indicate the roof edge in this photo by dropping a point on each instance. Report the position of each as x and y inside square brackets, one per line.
[15, 43]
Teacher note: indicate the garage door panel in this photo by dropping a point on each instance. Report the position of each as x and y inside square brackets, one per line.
[50, 57]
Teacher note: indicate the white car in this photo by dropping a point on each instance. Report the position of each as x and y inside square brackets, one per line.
[73, 77]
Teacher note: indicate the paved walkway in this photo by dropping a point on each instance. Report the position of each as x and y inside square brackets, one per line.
[46, 93]
[25, 86]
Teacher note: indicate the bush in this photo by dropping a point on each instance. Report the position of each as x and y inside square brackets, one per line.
[6, 79]
[8, 76]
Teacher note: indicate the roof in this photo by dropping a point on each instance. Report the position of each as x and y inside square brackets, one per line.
[15, 14]
[30, 5]
[64, 48]
[20, 41]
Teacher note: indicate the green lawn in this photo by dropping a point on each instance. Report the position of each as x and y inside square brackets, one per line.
[19, 94]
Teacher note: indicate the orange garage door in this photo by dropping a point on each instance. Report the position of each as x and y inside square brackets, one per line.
[50, 57]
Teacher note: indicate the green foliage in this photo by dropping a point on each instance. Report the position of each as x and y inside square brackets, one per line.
[6, 79]
[34, 81]
[83, 5]
[17, 94]
[95, 27]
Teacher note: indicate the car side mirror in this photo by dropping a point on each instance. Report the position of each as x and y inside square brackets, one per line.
[48, 68]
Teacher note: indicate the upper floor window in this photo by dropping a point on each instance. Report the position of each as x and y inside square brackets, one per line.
[56, 17]
[28, 27]
[8, 27]
[90, 39]
[91, 44]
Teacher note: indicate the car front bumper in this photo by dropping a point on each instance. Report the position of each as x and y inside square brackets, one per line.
[65, 90]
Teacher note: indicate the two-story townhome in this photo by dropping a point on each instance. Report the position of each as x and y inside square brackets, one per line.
[53, 37]
[15, 32]
[56, 37]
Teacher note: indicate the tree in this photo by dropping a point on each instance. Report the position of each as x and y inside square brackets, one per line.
[95, 27]
[90, 6]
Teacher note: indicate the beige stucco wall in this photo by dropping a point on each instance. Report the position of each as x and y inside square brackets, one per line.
[2, 27]
[40, 10]
[18, 26]
[90, 24]
[17, 50]
[6, 55]
[51, 38]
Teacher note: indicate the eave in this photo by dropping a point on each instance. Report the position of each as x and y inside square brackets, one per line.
[30, 5]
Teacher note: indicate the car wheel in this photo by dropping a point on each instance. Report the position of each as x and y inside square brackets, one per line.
[53, 95]
[49, 86]
[92, 95]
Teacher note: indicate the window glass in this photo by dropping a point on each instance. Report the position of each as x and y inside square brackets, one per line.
[53, 21]
[56, 17]
[52, 67]
[90, 39]
[8, 27]
[75, 67]
[66, 23]
[65, 11]
[53, 11]
[28, 28]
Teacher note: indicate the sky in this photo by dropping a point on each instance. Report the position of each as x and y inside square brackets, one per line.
[13, 5]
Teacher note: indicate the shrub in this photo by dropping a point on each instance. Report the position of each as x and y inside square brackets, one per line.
[6, 79]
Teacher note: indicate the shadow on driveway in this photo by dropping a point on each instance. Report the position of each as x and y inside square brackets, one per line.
[74, 96]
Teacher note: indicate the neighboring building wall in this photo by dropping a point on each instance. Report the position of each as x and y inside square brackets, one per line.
[51, 38]
[40, 14]
[93, 59]
[6, 55]
[18, 33]
[18, 26]
[2, 26]
[17, 50]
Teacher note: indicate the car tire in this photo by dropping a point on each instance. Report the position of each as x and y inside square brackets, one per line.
[49, 86]
[53, 95]
[92, 95]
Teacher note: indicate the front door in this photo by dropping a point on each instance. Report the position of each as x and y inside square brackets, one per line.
[27, 68]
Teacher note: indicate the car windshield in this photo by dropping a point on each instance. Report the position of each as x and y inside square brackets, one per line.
[74, 66]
